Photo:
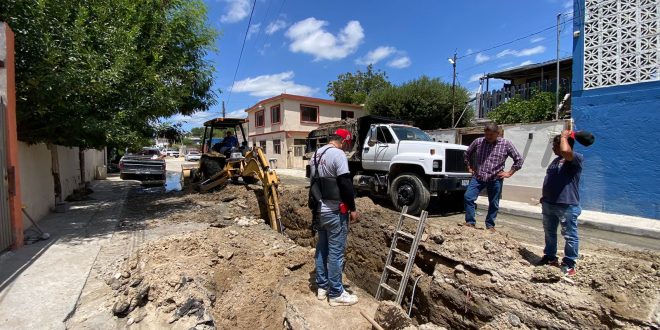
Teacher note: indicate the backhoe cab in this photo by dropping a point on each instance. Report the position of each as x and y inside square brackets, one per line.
[221, 163]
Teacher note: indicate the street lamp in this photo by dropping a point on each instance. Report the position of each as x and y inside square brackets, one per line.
[452, 61]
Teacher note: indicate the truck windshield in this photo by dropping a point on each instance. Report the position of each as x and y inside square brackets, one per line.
[410, 133]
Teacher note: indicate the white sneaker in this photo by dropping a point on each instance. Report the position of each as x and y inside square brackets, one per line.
[346, 299]
[321, 294]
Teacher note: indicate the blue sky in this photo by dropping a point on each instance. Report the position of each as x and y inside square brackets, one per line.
[297, 46]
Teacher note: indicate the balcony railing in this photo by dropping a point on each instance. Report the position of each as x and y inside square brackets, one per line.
[490, 100]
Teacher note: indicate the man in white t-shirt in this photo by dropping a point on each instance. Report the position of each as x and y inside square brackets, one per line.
[330, 161]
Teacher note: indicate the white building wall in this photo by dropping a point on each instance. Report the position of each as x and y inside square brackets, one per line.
[526, 184]
[37, 187]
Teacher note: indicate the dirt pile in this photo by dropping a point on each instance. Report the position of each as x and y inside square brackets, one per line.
[240, 276]
[474, 278]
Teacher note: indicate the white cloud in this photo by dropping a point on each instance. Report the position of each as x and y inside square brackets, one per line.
[254, 29]
[537, 39]
[528, 62]
[522, 52]
[237, 10]
[271, 85]
[505, 65]
[197, 119]
[309, 36]
[400, 63]
[481, 58]
[376, 55]
[275, 26]
[475, 77]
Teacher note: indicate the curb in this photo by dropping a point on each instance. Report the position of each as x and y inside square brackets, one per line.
[587, 221]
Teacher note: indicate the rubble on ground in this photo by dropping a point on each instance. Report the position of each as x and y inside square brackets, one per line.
[475, 278]
[240, 274]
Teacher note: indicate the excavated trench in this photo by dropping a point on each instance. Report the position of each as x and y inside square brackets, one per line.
[473, 278]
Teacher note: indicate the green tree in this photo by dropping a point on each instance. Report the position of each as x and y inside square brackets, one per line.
[355, 87]
[197, 131]
[425, 101]
[539, 107]
[97, 73]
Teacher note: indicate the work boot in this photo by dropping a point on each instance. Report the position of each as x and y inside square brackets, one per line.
[471, 225]
[548, 260]
[321, 294]
[491, 229]
[345, 299]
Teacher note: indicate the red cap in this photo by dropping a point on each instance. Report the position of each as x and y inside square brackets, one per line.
[345, 135]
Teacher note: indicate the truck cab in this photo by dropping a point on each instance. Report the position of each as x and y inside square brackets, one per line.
[391, 157]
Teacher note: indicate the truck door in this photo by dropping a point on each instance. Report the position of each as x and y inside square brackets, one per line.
[369, 151]
[385, 148]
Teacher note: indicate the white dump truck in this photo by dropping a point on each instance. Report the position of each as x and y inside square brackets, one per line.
[392, 158]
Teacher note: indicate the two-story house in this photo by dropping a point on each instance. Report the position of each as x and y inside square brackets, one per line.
[280, 124]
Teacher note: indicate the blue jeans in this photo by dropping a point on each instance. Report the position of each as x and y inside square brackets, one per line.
[332, 229]
[566, 216]
[494, 192]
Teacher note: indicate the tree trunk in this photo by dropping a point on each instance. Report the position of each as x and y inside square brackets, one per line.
[81, 157]
[55, 165]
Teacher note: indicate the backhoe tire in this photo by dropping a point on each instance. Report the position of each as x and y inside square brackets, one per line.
[250, 180]
[409, 189]
[211, 165]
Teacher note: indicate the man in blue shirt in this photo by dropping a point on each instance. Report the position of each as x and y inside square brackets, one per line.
[228, 143]
[561, 203]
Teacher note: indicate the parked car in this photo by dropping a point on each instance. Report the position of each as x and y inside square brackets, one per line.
[173, 153]
[146, 165]
[192, 156]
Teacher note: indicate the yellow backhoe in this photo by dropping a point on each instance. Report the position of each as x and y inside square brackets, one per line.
[221, 163]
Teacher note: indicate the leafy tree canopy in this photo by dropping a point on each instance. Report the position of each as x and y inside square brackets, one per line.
[355, 87]
[540, 107]
[426, 101]
[96, 73]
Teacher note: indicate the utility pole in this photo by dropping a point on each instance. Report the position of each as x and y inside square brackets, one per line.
[557, 87]
[453, 89]
[223, 109]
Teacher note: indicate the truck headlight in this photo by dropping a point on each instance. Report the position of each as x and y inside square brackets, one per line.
[437, 165]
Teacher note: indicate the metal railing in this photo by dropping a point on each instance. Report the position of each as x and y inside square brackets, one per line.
[488, 101]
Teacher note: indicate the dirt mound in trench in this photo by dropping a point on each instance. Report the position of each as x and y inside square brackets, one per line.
[243, 276]
[475, 278]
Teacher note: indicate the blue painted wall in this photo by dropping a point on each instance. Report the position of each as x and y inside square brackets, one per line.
[622, 169]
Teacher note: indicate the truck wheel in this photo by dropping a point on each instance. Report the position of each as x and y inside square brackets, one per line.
[409, 189]
[123, 176]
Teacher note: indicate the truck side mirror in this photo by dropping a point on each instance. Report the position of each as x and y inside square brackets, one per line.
[372, 137]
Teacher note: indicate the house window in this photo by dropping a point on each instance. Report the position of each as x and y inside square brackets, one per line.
[259, 119]
[277, 147]
[309, 114]
[298, 151]
[347, 114]
[275, 114]
[262, 144]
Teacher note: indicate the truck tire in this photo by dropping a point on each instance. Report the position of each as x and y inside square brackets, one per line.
[123, 176]
[408, 189]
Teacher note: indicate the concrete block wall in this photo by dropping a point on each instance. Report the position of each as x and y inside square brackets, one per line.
[37, 185]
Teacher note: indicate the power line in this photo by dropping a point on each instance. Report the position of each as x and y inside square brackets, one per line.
[238, 64]
[515, 40]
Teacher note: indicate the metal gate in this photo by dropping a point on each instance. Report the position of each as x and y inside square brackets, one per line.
[6, 237]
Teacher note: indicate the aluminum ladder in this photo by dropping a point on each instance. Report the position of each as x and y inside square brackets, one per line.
[410, 255]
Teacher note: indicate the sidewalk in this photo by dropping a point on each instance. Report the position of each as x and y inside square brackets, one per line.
[40, 283]
[605, 221]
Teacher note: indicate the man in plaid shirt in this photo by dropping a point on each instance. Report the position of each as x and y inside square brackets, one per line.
[488, 172]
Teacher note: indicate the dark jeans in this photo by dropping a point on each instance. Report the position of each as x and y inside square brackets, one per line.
[566, 216]
[494, 192]
[333, 231]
